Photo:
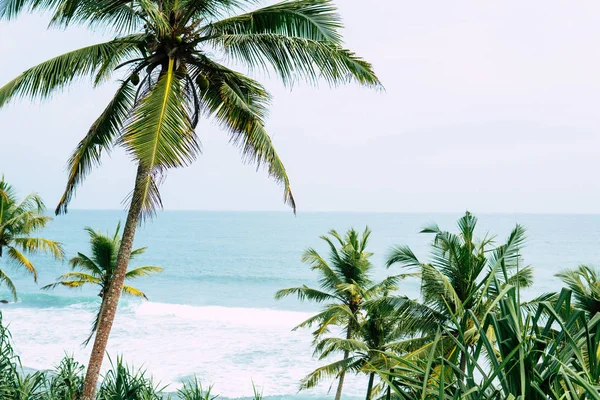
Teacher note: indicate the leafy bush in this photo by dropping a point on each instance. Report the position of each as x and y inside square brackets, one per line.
[122, 382]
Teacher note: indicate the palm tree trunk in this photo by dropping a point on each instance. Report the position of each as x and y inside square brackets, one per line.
[111, 299]
[370, 387]
[338, 393]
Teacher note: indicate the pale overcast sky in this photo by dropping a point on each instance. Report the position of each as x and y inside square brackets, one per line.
[490, 106]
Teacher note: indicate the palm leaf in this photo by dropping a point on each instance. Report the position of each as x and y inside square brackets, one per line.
[239, 104]
[142, 271]
[55, 74]
[101, 136]
[309, 19]
[330, 370]
[306, 293]
[8, 282]
[130, 290]
[160, 135]
[18, 257]
[84, 262]
[297, 58]
[40, 245]
[74, 280]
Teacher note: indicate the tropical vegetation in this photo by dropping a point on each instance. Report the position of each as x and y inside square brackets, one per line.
[98, 268]
[66, 381]
[163, 56]
[345, 285]
[469, 335]
[20, 222]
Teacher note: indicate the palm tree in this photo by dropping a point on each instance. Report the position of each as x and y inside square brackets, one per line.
[343, 283]
[98, 269]
[19, 220]
[584, 283]
[163, 54]
[463, 277]
[379, 333]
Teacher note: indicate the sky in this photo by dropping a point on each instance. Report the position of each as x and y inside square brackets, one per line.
[488, 106]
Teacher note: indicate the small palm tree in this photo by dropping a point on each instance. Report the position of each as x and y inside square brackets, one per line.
[18, 222]
[379, 332]
[464, 276]
[584, 282]
[344, 281]
[98, 269]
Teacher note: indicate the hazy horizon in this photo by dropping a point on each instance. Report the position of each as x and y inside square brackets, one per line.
[491, 107]
[340, 211]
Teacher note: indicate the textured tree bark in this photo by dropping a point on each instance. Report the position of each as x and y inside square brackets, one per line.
[370, 387]
[111, 300]
[338, 393]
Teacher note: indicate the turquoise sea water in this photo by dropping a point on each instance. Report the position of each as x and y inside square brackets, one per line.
[211, 312]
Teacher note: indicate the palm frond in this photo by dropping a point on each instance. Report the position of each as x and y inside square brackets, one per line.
[306, 293]
[18, 258]
[327, 371]
[41, 81]
[308, 19]
[130, 290]
[143, 271]
[101, 137]
[404, 256]
[297, 59]
[74, 280]
[9, 283]
[328, 346]
[239, 104]
[40, 245]
[84, 262]
[160, 135]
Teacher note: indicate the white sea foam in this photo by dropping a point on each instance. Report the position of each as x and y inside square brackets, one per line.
[227, 347]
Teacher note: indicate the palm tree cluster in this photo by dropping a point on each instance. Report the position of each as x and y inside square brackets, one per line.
[468, 336]
[167, 58]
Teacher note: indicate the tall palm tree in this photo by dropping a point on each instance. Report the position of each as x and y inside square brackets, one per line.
[464, 276]
[584, 282]
[98, 269]
[19, 220]
[163, 54]
[343, 283]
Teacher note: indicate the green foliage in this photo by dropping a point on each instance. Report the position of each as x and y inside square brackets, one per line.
[67, 381]
[19, 221]
[98, 269]
[584, 283]
[469, 336]
[346, 288]
[192, 390]
[122, 382]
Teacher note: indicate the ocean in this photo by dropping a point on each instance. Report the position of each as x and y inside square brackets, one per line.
[212, 312]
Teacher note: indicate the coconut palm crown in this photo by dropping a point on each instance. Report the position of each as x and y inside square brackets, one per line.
[19, 221]
[166, 58]
[345, 284]
[97, 269]
[584, 282]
